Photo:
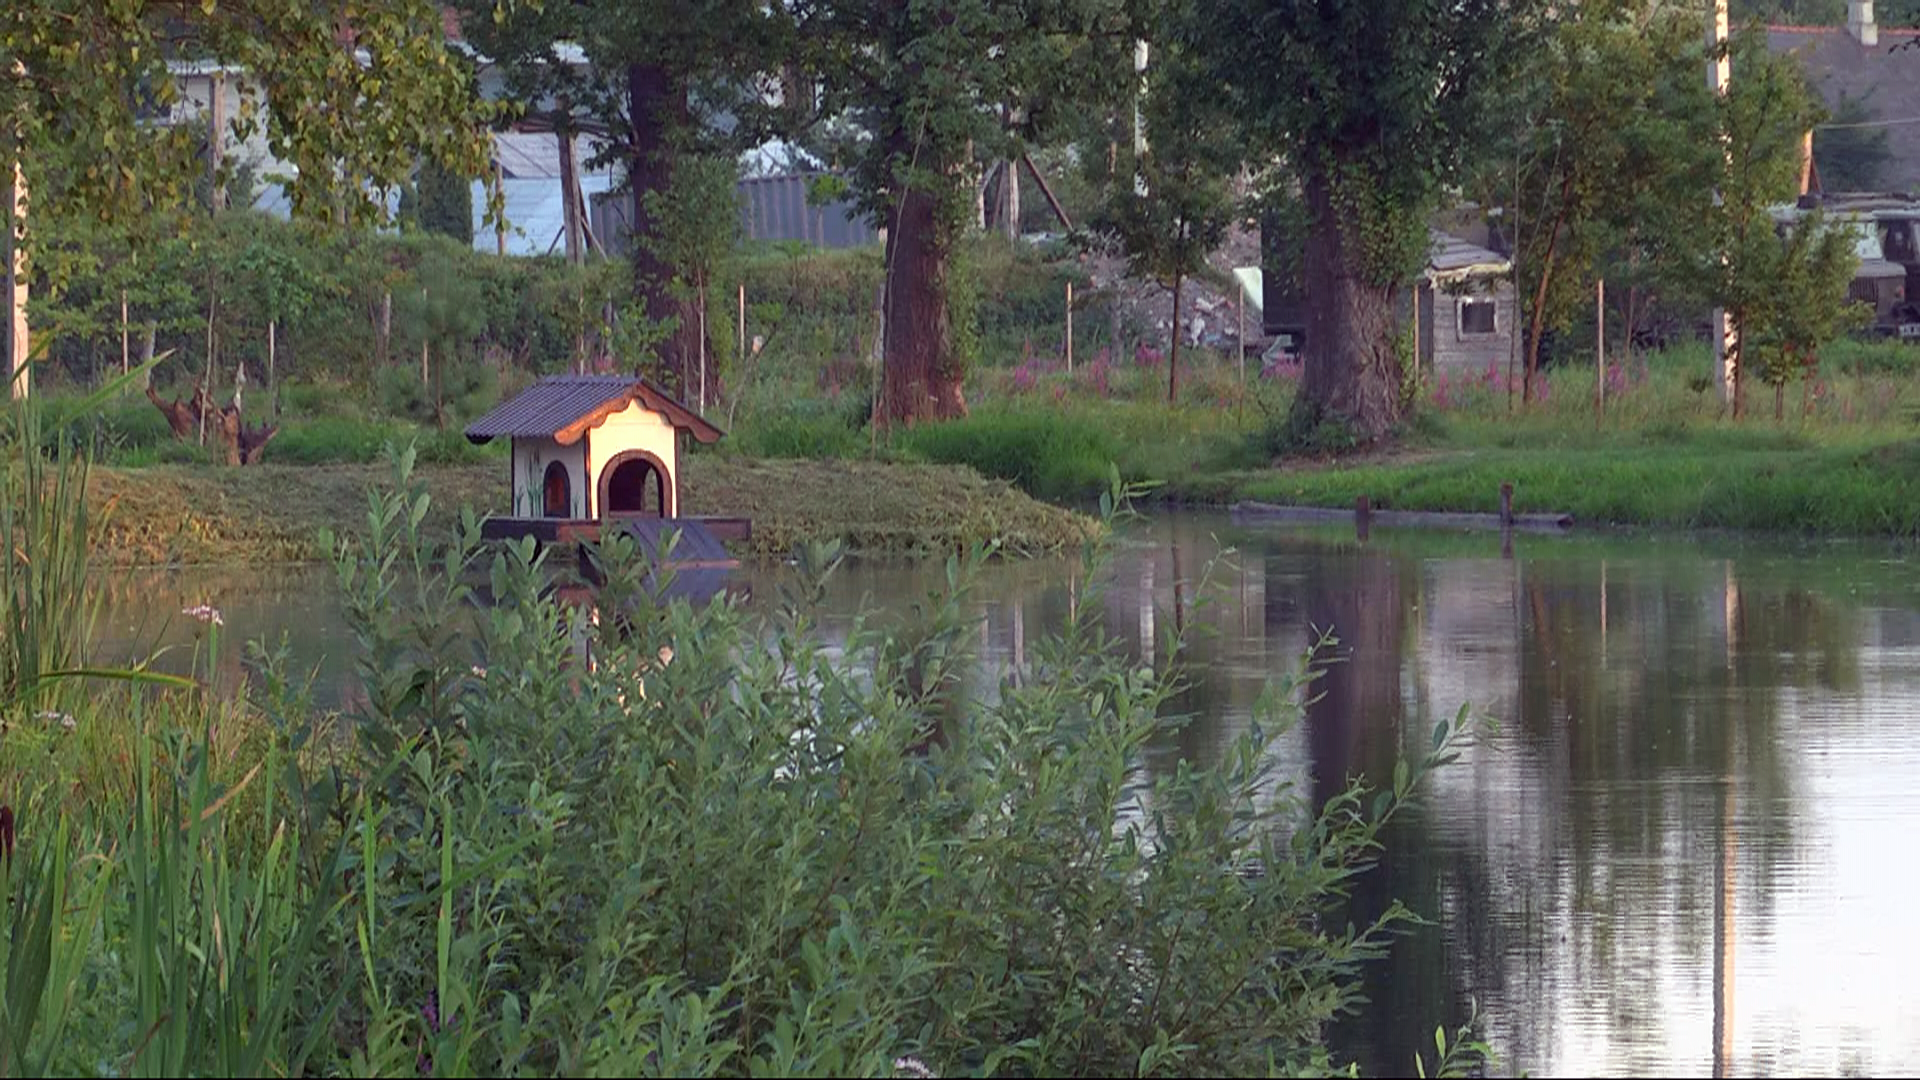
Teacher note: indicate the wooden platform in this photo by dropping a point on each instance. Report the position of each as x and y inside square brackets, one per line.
[1257, 512]
[698, 564]
[587, 530]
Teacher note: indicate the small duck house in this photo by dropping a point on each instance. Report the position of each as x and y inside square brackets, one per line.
[589, 449]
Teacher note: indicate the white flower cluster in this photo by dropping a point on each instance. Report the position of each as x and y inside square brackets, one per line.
[206, 613]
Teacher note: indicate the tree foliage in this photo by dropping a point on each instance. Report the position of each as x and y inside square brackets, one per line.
[1744, 267]
[353, 94]
[1807, 309]
[439, 201]
[1613, 161]
[1170, 207]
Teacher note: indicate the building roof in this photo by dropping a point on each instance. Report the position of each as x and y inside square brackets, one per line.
[1884, 77]
[565, 407]
[1454, 260]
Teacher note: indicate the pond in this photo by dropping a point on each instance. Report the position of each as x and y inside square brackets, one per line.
[1679, 852]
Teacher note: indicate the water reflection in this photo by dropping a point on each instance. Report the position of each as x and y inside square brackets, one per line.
[1684, 850]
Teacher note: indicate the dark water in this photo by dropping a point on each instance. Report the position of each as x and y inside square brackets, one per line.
[1692, 846]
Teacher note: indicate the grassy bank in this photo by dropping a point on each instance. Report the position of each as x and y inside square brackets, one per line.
[1842, 459]
[1698, 483]
[274, 513]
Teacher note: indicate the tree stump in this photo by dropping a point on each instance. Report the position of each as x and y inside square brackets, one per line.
[183, 414]
[244, 445]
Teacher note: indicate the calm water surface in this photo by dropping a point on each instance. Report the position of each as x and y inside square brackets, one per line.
[1692, 846]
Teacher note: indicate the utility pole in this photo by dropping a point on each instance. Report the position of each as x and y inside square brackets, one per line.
[1726, 335]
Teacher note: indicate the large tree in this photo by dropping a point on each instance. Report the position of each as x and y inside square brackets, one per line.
[659, 81]
[1375, 106]
[930, 85]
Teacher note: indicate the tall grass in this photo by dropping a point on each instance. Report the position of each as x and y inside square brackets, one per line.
[44, 527]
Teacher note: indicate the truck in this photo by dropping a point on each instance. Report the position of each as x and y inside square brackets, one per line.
[1887, 231]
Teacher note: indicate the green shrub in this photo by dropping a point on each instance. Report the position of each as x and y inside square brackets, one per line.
[1849, 357]
[332, 440]
[797, 435]
[321, 398]
[1048, 454]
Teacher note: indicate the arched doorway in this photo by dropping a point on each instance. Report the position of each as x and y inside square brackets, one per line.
[635, 482]
[556, 492]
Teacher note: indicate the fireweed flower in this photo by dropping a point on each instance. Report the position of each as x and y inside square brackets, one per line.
[206, 613]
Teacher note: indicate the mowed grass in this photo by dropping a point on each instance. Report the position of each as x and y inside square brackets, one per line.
[1703, 483]
[1842, 459]
[172, 514]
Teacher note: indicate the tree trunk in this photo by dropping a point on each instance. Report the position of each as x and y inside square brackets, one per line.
[1173, 350]
[657, 104]
[1739, 374]
[243, 445]
[1351, 373]
[921, 374]
[1779, 402]
[182, 416]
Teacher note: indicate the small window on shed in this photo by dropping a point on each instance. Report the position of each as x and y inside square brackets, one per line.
[1477, 317]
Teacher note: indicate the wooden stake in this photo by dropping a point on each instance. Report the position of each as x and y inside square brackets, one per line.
[1047, 192]
[1599, 350]
[16, 252]
[1240, 328]
[743, 323]
[1069, 328]
[124, 351]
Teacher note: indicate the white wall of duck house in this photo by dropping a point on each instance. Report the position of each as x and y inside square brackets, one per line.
[531, 456]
